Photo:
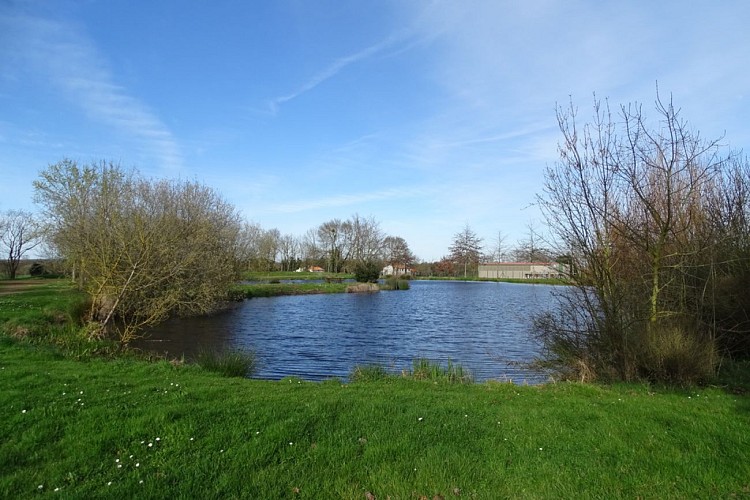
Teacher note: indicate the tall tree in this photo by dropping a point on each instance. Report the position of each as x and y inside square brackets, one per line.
[530, 249]
[499, 251]
[466, 248]
[19, 233]
[312, 253]
[289, 252]
[396, 251]
[629, 201]
[366, 240]
[331, 238]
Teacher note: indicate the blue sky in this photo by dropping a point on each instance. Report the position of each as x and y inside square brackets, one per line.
[426, 115]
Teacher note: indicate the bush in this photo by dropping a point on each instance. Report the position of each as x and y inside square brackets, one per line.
[37, 269]
[367, 272]
[670, 350]
[675, 353]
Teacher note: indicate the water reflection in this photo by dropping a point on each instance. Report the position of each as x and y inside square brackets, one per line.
[483, 326]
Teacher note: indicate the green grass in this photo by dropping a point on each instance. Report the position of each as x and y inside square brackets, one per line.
[127, 428]
[34, 308]
[122, 427]
[276, 289]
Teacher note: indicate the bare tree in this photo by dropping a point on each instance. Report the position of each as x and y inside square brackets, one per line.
[396, 251]
[367, 240]
[530, 249]
[331, 237]
[350, 242]
[19, 233]
[248, 245]
[466, 248]
[312, 253]
[258, 248]
[499, 251]
[269, 249]
[289, 252]
[629, 201]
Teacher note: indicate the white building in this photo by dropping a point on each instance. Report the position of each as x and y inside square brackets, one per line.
[397, 270]
[522, 270]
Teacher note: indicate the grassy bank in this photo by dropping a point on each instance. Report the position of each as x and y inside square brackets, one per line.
[292, 275]
[130, 428]
[276, 289]
[120, 427]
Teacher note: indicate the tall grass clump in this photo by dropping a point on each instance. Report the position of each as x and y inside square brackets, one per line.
[424, 369]
[676, 353]
[394, 283]
[232, 363]
[368, 373]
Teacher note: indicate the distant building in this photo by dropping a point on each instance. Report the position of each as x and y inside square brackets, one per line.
[397, 270]
[522, 270]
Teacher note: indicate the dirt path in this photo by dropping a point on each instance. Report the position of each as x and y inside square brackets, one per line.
[8, 287]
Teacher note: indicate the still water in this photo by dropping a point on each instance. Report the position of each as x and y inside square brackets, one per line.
[483, 326]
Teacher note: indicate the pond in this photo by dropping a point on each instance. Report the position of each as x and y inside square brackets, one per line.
[483, 326]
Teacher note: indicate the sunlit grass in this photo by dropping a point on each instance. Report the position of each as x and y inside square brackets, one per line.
[291, 275]
[135, 429]
[124, 428]
[276, 289]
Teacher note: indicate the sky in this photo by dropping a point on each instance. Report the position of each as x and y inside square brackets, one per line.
[425, 115]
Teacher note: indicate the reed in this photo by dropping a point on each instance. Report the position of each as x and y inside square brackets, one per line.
[424, 369]
[232, 363]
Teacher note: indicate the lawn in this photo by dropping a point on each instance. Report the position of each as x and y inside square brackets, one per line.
[122, 427]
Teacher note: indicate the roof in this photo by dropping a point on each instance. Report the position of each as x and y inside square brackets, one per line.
[519, 264]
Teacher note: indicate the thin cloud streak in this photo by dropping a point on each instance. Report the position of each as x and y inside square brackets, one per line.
[338, 201]
[336, 67]
[74, 64]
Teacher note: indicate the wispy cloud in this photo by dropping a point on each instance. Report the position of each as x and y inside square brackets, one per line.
[342, 200]
[339, 64]
[73, 63]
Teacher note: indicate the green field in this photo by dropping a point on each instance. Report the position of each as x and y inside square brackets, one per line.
[121, 427]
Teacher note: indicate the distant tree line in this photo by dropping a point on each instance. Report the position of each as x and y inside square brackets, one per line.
[335, 246]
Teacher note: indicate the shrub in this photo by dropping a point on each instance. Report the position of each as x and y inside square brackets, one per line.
[677, 353]
[37, 269]
[367, 272]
